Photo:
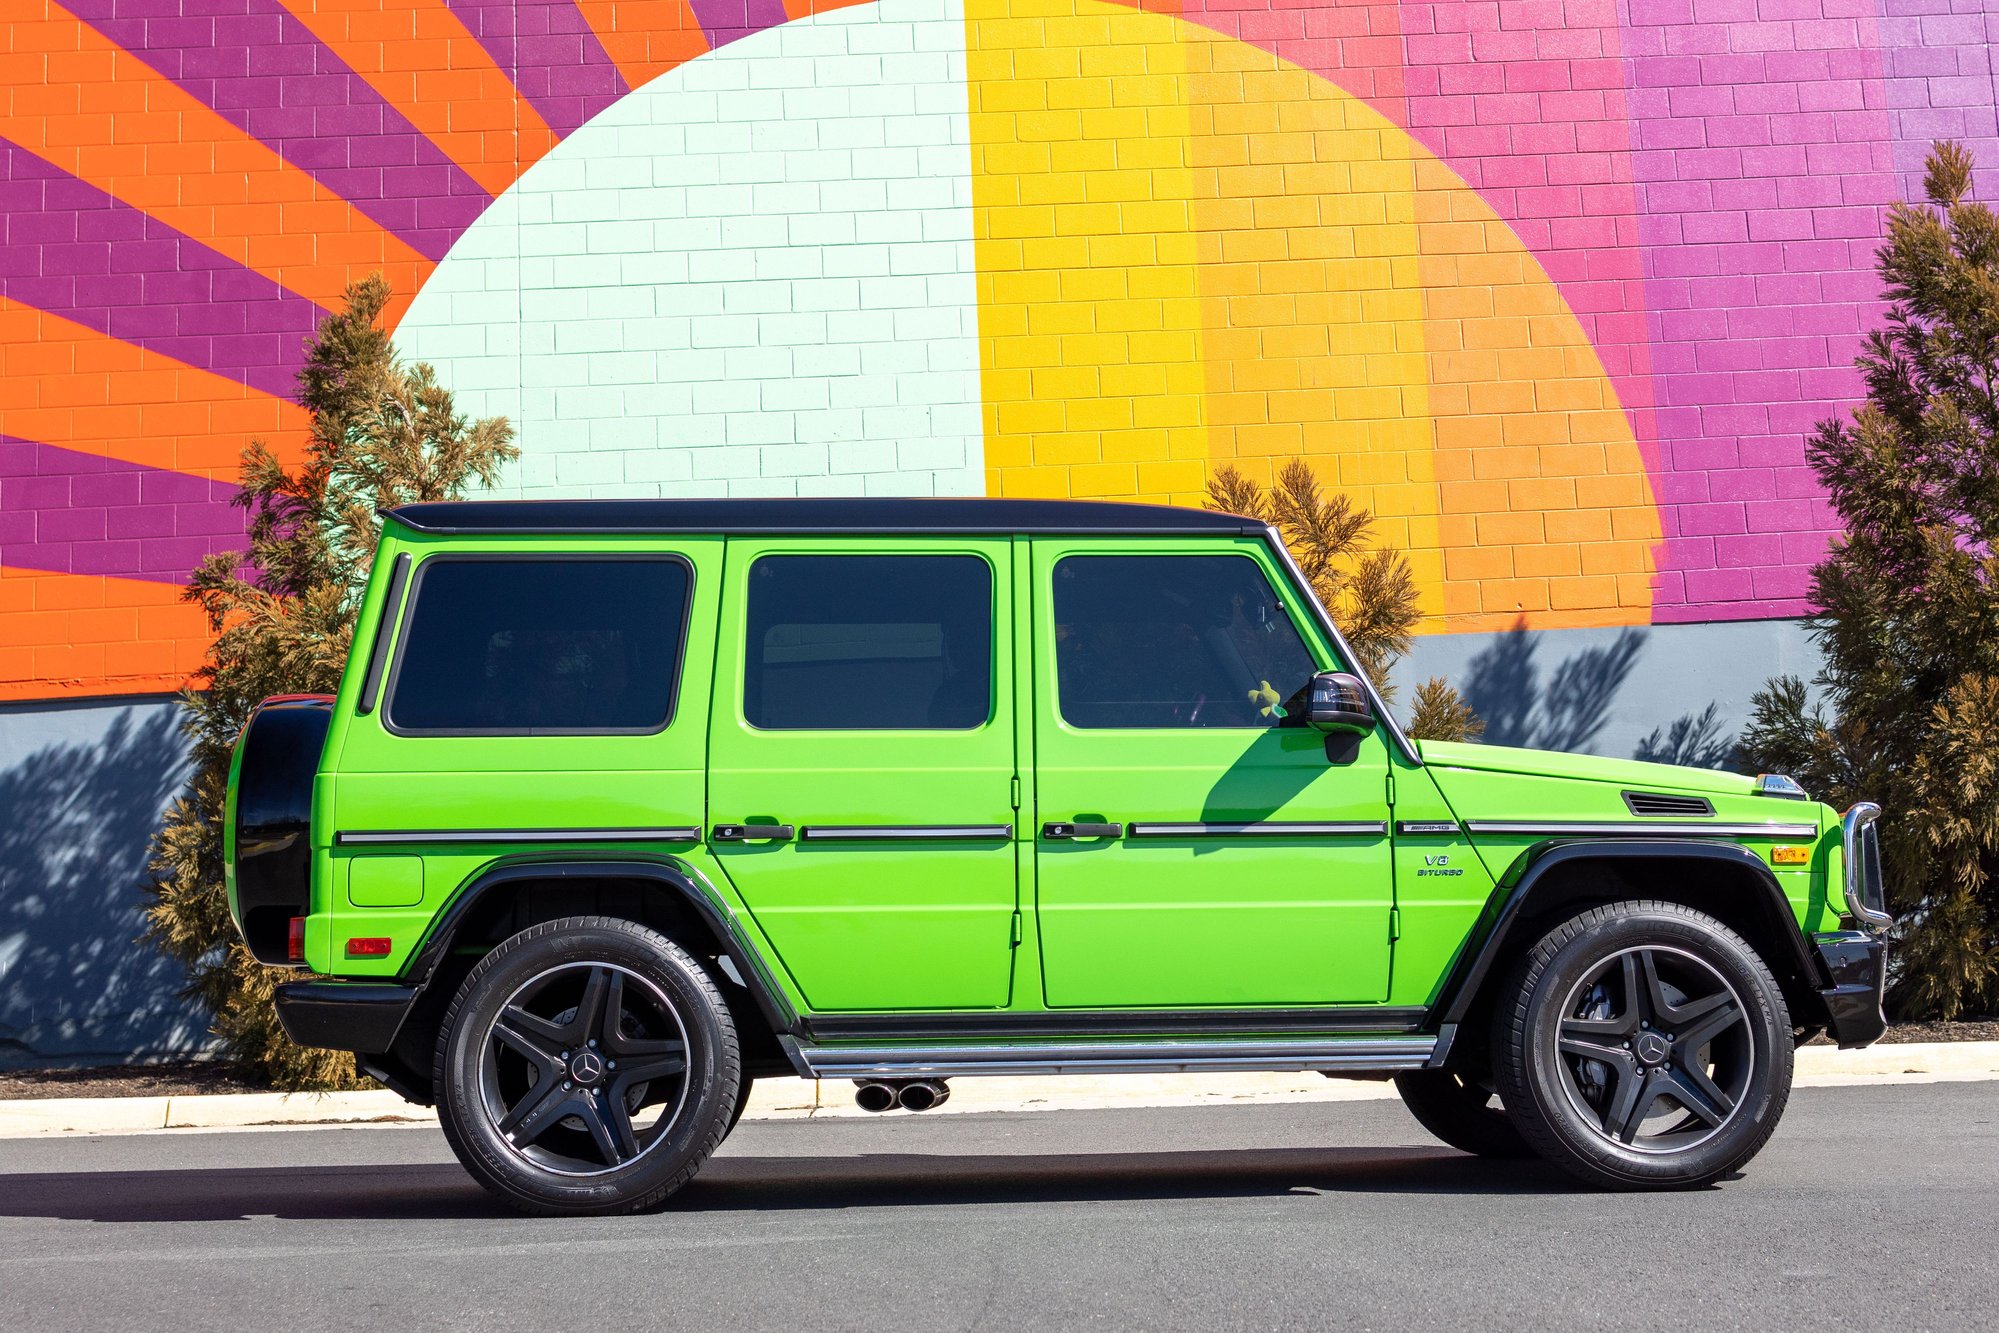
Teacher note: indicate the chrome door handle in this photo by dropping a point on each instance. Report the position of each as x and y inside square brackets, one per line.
[1071, 832]
[752, 833]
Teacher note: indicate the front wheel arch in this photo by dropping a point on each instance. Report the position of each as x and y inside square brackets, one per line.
[1557, 880]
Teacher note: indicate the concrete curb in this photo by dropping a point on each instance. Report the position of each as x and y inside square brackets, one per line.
[798, 1099]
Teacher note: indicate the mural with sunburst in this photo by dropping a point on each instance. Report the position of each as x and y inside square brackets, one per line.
[1555, 286]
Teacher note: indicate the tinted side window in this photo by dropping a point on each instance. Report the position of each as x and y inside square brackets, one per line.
[869, 642]
[525, 647]
[1173, 641]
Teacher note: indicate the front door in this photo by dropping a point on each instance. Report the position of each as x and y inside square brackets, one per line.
[1195, 845]
[861, 768]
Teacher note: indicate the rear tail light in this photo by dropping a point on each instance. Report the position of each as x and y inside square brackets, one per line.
[370, 946]
[295, 941]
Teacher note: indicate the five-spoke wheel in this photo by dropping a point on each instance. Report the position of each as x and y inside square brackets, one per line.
[1644, 1046]
[587, 1065]
[1655, 1049]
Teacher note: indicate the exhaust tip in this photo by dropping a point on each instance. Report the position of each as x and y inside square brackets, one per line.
[875, 1097]
[923, 1094]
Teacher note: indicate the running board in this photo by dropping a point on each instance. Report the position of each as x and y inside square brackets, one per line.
[1333, 1054]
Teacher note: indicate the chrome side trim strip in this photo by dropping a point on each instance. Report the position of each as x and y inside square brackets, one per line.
[1136, 1057]
[1263, 828]
[906, 832]
[374, 838]
[1853, 830]
[1625, 829]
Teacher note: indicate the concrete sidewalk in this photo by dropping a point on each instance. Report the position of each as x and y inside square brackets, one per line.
[792, 1098]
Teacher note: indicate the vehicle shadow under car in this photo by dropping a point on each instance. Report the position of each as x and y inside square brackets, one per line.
[788, 1183]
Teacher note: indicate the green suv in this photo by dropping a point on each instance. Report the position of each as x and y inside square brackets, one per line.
[624, 804]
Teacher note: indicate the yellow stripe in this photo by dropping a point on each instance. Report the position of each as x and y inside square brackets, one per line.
[1089, 296]
[1310, 294]
[1549, 518]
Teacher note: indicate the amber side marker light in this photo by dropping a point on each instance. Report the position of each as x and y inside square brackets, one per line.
[371, 946]
[1790, 856]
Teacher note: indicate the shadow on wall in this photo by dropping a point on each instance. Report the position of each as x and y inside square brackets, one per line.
[1504, 683]
[77, 818]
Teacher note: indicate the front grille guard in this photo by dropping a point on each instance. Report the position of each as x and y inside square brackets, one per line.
[1866, 894]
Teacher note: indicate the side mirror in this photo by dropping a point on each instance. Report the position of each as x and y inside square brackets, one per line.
[1337, 704]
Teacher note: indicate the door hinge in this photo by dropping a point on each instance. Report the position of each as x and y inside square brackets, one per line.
[1390, 785]
[1014, 941]
[1016, 791]
[1394, 924]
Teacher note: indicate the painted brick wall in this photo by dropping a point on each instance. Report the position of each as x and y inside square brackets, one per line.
[1556, 286]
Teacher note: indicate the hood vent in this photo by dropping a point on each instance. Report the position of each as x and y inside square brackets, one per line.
[1659, 805]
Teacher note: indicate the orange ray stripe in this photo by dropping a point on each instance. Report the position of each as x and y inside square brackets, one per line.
[67, 385]
[72, 635]
[429, 66]
[646, 38]
[85, 105]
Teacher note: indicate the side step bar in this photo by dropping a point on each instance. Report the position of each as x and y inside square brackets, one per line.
[1368, 1054]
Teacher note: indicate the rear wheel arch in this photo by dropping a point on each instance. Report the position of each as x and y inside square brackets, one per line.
[516, 894]
[1559, 880]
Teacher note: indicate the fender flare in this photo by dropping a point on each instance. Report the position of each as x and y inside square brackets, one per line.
[1500, 925]
[667, 874]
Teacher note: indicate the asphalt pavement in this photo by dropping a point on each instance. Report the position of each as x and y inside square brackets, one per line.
[1871, 1208]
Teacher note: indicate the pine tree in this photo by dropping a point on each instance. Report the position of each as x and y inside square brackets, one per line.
[1909, 599]
[1369, 591]
[382, 433]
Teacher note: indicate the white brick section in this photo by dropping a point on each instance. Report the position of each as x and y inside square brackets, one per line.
[753, 276]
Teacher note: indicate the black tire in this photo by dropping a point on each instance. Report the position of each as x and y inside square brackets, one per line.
[533, 1041]
[744, 1086]
[1463, 1113]
[1644, 1046]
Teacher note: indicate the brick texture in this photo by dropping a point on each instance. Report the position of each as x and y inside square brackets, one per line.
[1557, 287]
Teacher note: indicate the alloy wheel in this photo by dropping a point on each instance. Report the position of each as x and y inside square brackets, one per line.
[584, 1069]
[1655, 1050]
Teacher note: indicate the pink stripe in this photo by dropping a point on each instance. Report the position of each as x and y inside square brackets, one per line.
[264, 72]
[550, 52]
[1940, 73]
[74, 251]
[76, 513]
[1764, 158]
[1532, 114]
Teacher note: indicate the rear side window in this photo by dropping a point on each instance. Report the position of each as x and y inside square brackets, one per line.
[1174, 641]
[869, 643]
[526, 647]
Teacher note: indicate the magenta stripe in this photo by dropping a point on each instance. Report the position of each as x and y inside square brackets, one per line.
[70, 249]
[1763, 158]
[263, 71]
[1941, 74]
[727, 21]
[550, 52]
[76, 513]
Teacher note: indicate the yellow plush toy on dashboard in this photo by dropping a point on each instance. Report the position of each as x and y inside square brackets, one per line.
[1267, 700]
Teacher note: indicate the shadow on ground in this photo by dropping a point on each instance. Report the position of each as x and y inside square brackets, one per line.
[730, 1184]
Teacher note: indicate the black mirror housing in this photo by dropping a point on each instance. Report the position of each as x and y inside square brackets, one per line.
[1338, 704]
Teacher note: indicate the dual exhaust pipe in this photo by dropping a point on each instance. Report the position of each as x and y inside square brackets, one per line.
[911, 1094]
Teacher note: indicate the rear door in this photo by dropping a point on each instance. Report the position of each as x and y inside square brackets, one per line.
[861, 773]
[534, 695]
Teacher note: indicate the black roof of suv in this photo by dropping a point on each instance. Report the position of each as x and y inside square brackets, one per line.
[814, 516]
